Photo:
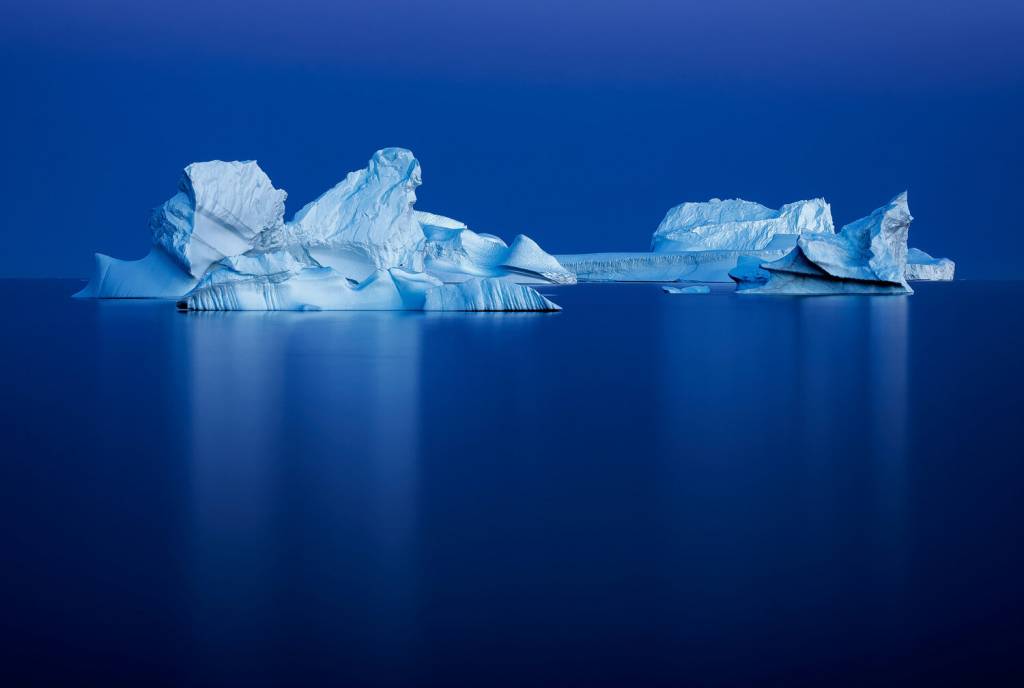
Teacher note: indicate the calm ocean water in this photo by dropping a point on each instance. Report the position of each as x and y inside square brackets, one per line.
[641, 490]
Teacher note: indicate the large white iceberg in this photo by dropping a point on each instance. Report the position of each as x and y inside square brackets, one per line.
[222, 243]
[739, 225]
[868, 256]
[221, 209]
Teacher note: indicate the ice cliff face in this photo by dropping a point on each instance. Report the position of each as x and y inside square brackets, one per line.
[739, 225]
[281, 280]
[867, 256]
[221, 209]
[365, 222]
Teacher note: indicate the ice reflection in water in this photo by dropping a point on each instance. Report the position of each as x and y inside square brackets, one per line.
[357, 377]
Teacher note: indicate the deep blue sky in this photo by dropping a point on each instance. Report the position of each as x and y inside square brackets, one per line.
[577, 123]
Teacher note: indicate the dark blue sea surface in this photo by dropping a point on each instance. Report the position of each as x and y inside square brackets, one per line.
[640, 490]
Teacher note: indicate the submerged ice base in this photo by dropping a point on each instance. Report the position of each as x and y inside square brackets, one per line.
[285, 284]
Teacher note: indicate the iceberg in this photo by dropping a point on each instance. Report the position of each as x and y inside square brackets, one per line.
[221, 209]
[922, 267]
[457, 253]
[739, 225]
[702, 242]
[695, 289]
[867, 256]
[221, 243]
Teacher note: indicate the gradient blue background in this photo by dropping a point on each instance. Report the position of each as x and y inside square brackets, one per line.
[577, 123]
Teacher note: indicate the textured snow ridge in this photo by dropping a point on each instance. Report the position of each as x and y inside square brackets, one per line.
[922, 267]
[457, 253]
[221, 209]
[695, 289]
[487, 295]
[739, 225]
[695, 266]
[365, 222]
[868, 256]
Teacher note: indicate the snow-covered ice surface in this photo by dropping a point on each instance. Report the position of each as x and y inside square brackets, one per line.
[692, 266]
[868, 256]
[923, 267]
[221, 209]
[739, 225]
[365, 222]
[693, 289]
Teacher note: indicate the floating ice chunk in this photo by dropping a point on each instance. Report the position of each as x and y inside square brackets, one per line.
[363, 223]
[456, 253]
[157, 276]
[739, 225]
[923, 267]
[867, 256]
[695, 289]
[487, 295]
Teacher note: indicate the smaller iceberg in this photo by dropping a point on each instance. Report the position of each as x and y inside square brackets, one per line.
[922, 267]
[738, 225]
[868, 256]
[695, 289]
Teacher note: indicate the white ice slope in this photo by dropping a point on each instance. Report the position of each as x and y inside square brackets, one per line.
[365, 222]
[455, 253]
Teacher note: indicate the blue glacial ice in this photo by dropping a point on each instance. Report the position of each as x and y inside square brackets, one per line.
[868, 256]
